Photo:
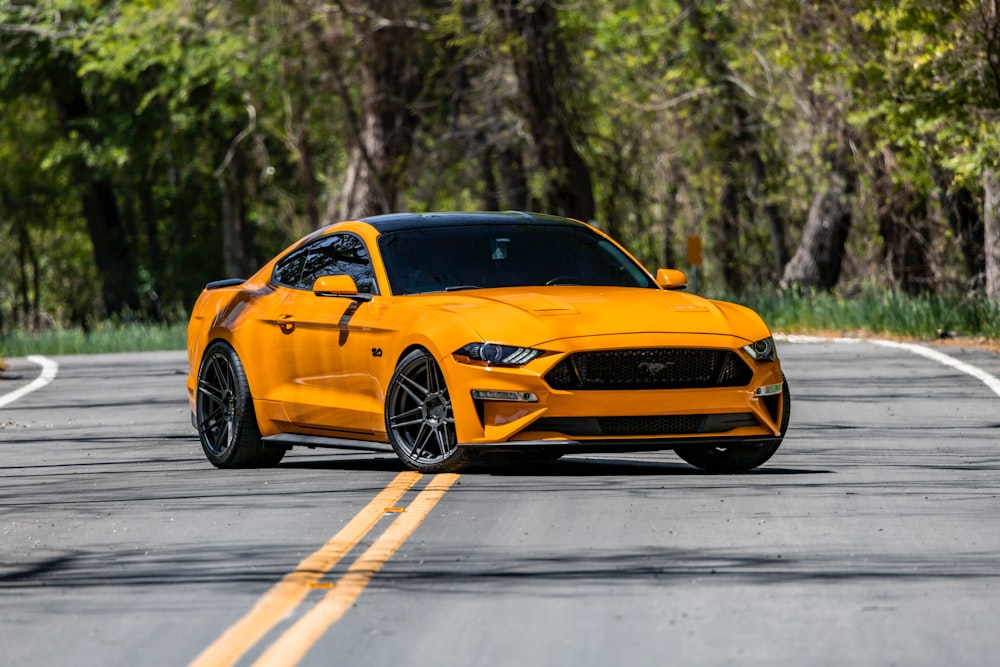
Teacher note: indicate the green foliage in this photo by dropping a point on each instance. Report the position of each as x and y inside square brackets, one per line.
[930, 83]
[104, 338]
[877, 311]
[30, 200]
[187, 105]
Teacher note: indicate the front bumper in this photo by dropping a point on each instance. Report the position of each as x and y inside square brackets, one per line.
[612, 420]
[612, 445]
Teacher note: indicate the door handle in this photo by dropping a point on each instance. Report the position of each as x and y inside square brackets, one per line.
[286, 323]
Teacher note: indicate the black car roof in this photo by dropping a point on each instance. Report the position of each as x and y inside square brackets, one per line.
[394, 222]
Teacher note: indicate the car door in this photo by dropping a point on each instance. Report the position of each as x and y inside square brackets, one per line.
[324, 344]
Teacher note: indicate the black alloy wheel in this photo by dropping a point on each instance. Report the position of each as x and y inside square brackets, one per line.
[419, 418]
[224, 414]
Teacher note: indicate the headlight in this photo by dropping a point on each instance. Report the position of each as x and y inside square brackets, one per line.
[762, 350]
[491, 354]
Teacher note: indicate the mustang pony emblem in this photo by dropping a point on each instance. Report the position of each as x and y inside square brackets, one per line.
[654, 368]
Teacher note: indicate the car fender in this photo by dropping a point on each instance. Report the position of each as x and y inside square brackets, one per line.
[743, 321]
[439, 332]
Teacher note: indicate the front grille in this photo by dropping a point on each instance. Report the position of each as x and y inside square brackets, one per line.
[650, 368]
[676, 425]
[652, 425]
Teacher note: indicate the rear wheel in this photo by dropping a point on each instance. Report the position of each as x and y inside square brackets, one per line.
[418, 416]
[224, 414]
[738, 457]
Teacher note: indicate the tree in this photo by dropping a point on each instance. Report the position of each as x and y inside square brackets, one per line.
[991, 224]
[41, 52]
[45, 251]
[819, 258]
[931, 80]
[541, 64]
[172, 142]
[392, 50]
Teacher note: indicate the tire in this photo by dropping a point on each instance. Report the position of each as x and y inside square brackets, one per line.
[224, 414]
[418, 416]
[738, 457]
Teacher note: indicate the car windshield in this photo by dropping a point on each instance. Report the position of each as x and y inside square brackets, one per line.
[436, 259]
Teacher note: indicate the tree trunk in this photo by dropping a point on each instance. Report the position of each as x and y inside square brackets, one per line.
[903, 224]
[231, 209]
[540, 62]
[307, 179]
[817, 261]
[392, 80]
[738, 138]
[235, 232]
[154, 250]
[29, 284]
[514, 180]
[490, 193]
[113, 251]
[991, 224]
[668, 212]
[966, 222]
[726, 229]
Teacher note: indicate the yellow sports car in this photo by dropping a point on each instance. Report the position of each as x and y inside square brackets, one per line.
[443, 335]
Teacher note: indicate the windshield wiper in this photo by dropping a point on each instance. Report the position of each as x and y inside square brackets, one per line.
[456, 288]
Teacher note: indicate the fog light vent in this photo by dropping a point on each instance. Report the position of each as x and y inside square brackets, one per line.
[513, 396]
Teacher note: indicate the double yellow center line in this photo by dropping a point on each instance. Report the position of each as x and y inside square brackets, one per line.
[286, 595]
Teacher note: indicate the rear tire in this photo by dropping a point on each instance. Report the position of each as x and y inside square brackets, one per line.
[738, 457]
[224, 414]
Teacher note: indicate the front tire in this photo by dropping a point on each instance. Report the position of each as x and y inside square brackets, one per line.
[224, 414]
[738, 457]
[418, 416]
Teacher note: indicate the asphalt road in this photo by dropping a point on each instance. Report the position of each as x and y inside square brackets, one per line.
[871, 538]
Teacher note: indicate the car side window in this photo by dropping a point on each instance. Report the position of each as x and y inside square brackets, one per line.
[289, 269]
[334, 254]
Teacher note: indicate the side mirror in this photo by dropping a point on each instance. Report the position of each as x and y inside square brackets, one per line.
[671, 279]
[342, 286]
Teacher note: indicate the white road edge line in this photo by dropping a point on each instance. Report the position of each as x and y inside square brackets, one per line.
[48, 374]
[989, 380]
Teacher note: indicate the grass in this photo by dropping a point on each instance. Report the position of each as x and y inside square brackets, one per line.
[879, 312]
[105, 337]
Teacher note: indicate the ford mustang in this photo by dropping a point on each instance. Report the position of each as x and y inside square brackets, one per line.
[445, 336]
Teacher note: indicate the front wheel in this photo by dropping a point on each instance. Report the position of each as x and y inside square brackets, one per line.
[224, 414]
[738, 457]
[418, 416]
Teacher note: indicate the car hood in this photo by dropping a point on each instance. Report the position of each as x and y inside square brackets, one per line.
[536, 315]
